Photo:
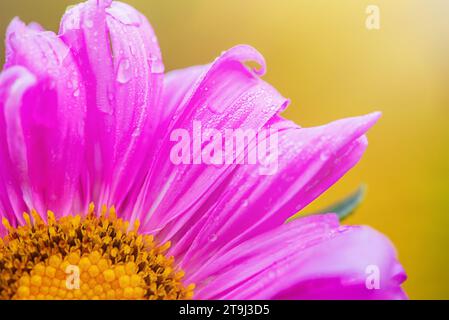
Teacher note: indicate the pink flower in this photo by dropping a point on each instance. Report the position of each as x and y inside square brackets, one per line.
[86, 117]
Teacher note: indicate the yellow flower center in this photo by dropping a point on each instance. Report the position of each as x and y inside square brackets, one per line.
[87, 257]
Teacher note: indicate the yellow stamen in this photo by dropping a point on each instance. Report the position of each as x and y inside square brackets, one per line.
[87, 257]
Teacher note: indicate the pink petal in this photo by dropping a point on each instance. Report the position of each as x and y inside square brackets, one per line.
[178, 88]
[44, 122]
[119, 56]
[13, 83]
[310, 161]
[309, 258]
[227, 95]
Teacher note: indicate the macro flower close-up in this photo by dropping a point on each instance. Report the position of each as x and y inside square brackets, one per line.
[117, 180]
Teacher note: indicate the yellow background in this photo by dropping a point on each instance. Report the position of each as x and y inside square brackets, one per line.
[320, 55]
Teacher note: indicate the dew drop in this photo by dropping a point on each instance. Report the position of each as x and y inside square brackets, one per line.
[324, 156]
[124, 71]
[156, 65]
[110, 96]
[52, 84]
[213, 237]
[89, 24]
[76, 93]
[137, 133]
[75, 82]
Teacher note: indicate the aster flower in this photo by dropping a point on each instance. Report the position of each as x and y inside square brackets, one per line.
[86, 116]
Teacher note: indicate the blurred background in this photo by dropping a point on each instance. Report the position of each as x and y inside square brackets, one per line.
[321, 55]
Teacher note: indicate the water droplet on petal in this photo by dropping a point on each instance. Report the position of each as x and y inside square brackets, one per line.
[89, 23]
[75, 82]
[213, 237]
[110, 97]
[136, 133]
[76, 93]
[124, 71]
[156, 65]
[52, 84]
[324, 156]
[64, 54]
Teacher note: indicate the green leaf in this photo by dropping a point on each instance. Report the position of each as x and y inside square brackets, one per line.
[345, 207]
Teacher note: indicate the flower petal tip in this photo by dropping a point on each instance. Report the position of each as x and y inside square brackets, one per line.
[369, 120]
[246, 53]
[376, 115]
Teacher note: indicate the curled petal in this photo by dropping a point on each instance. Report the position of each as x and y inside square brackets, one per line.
[223, 95]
